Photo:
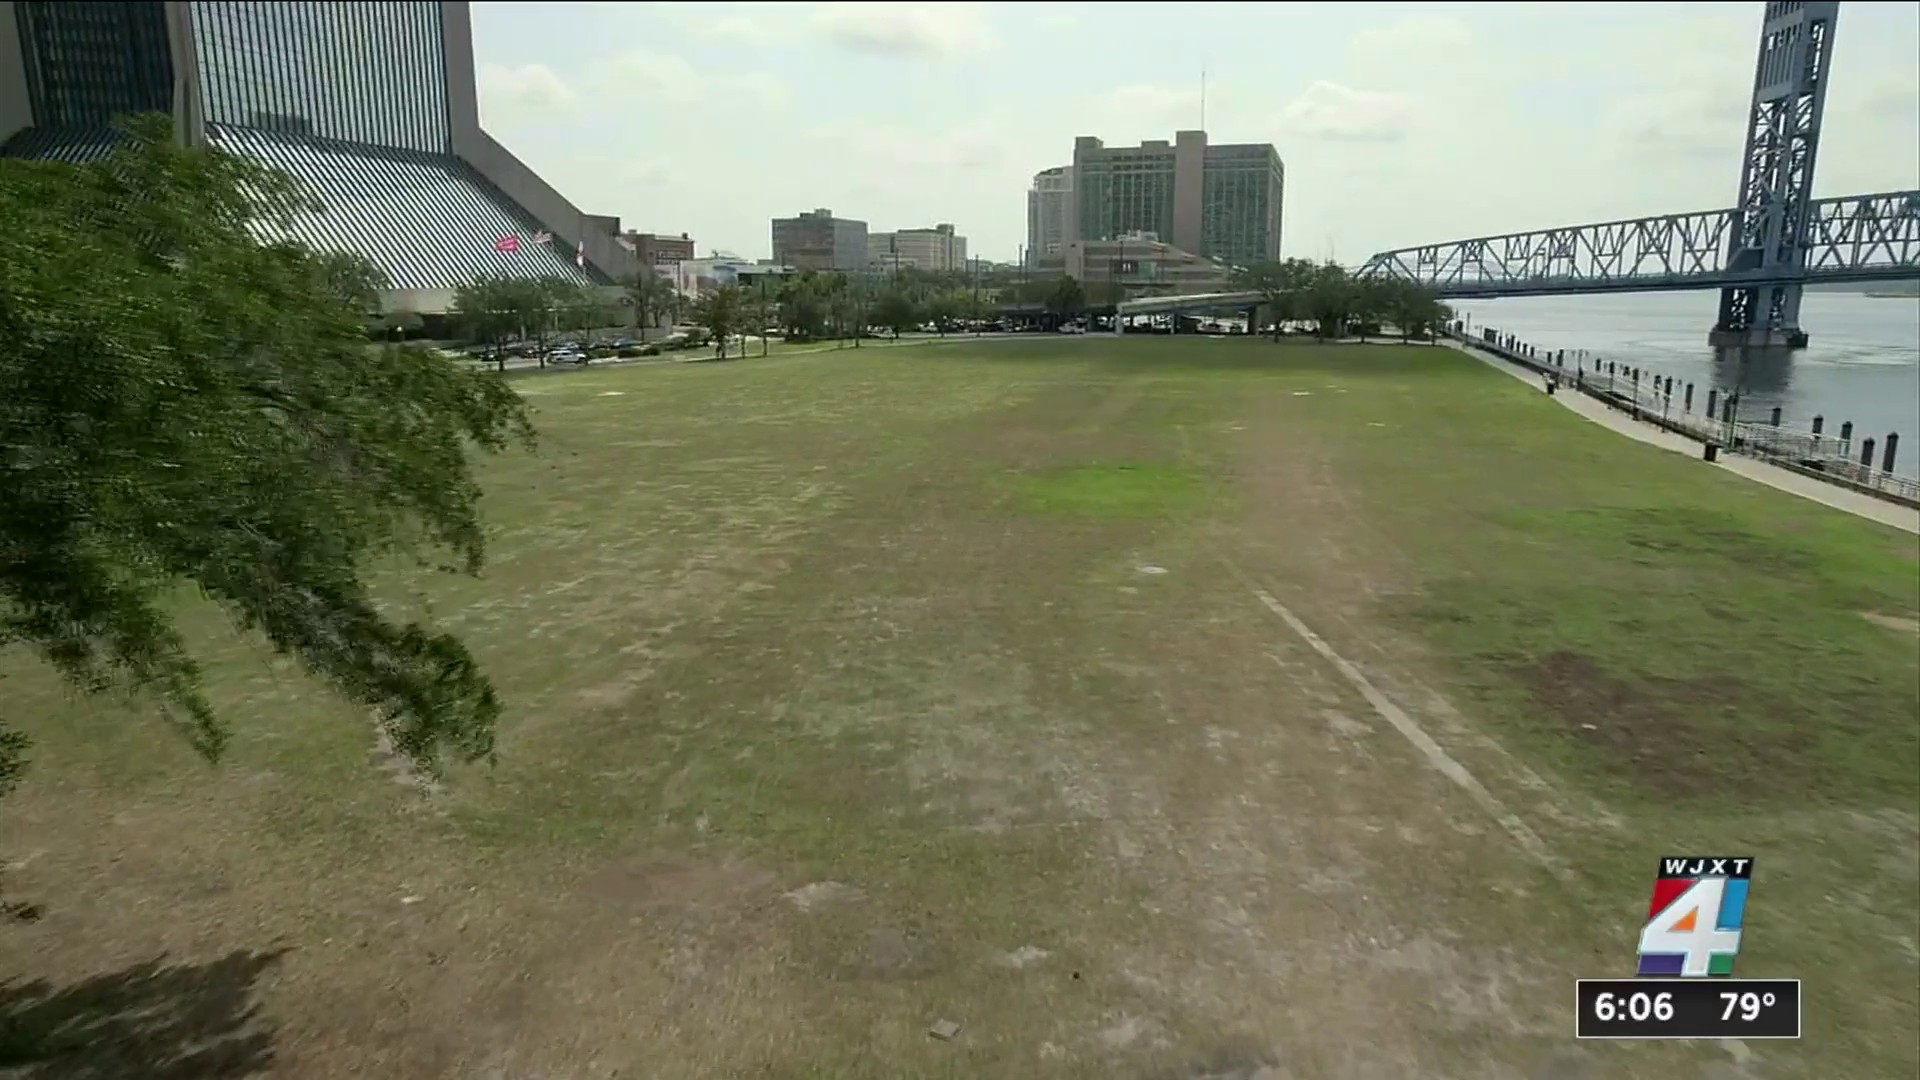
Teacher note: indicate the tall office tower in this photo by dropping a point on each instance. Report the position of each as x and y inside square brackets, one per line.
[1050, 221]
[371, 103]
[1222, 202]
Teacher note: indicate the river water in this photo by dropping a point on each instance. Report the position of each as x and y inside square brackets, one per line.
[1861, 363]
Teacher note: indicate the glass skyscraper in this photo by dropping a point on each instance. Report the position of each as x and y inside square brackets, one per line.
[86, 63]
[370, 102]
[369, 72]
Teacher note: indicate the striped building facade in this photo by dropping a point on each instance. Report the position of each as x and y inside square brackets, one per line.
[370, 102]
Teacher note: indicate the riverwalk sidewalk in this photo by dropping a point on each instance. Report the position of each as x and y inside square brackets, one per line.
[1853, 502]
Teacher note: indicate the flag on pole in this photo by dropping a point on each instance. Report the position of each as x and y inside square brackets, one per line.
[507, 244]
[543, 237]
[626, 242]
[580, 255]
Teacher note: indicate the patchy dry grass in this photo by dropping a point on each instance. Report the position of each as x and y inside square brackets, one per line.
[856, 690]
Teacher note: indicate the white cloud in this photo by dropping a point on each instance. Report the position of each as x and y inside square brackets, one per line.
[643, 78]
[895, 152]
[905, 29]
[1410, 49]
[1156, 102]
[526, 88]
[1340, 113]
[735, 29]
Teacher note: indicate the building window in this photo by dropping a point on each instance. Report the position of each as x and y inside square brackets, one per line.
[90, 63]
[370, 72]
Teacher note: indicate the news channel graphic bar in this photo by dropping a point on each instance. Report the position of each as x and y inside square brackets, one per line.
[1687, 1009]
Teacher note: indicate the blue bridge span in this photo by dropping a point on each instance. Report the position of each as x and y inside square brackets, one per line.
[1760, 253]
[1853, 238]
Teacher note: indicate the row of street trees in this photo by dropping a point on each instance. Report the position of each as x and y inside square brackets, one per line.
[495, 310]
[817, 306]
[1336, 302]
[824, 306]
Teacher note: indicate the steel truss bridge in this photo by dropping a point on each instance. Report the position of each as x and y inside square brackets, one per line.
[1759, 253]
[1854, 238]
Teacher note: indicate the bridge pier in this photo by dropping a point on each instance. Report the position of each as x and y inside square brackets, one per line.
[1764, 317]
[1757, 338]
[1769, 231]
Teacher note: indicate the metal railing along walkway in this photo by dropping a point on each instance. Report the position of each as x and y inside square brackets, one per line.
[1864, 464]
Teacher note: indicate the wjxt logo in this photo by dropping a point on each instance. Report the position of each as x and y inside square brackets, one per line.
[1698, 866]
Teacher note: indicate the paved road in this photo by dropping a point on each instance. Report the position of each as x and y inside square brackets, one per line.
[1853, 502]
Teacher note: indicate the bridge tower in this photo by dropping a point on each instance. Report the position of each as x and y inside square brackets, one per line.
[1769, 229]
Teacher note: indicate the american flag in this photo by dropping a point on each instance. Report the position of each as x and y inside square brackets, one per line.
[626, 242]
[580, 255]
[543, 237]
[508, 244]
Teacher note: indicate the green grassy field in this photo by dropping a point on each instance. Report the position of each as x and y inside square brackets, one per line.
[850, 691]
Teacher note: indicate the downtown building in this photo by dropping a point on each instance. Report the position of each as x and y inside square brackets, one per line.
[1050, 222]
[1220, 202]
[657, 252]
[371, 104]
[816, 240]
[938, 250]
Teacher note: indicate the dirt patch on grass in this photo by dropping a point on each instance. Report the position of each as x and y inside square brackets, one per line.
[679, 882]
[1901, 623]
[1660, 731]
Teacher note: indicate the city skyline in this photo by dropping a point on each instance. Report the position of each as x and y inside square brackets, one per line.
[1640, 111]
[403, 174]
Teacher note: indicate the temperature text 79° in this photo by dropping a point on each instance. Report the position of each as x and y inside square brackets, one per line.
[1749, 1004]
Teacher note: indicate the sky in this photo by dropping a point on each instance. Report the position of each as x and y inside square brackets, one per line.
[1399, 124]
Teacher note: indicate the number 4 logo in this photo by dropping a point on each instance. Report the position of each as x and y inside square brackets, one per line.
[1699, 927]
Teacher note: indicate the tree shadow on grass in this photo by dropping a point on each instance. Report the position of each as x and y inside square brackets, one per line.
[152, 1020]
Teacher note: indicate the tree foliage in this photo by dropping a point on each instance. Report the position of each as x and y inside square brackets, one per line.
[1282, 284]
[183, 403]
[1065, 297]
[654, 298]
[722, 312]
[762, 309]
[1411, 307]
[805, 308]
[897, 309]
[849, 300]
[494, 310]
[1337, 301]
